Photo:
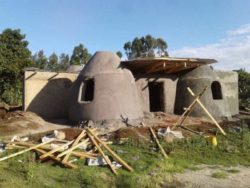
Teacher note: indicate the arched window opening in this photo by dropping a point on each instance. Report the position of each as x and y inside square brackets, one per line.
[87, 93]
[216, 90]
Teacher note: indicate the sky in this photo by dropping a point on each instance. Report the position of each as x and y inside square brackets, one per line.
[217, 29]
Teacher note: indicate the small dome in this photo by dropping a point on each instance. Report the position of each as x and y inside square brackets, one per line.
[101, 62]
[75, 68]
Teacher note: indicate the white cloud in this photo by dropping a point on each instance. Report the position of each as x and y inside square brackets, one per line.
[231, 52]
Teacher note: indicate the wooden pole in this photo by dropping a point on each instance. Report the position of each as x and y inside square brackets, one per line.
[73, 147]
[84, 155]
[189, 109]
[26, 150]
[209, 115]
[116, 157]
[55, 150]
[158, 143]
[67, 164]
[103, 154]
[80, 136]
[45, 147]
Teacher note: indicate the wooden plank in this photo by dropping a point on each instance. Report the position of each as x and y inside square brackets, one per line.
[67, 164]
[80, 136]
[73, 147]
[26, 150]
[55, 150]
[207, 112]
[42, 151]
[103, 154]
[152, 67]
[158, 143]
[116, 157]
[46, 147]
[181, 68]
[173, 68]
[84, 155]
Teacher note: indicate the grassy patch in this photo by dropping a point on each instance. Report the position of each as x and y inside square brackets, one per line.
[233, 171]
[231, 150]
[150, 168]
[219, 174]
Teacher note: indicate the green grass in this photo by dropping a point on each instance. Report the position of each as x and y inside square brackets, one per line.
[150, 169]
[233, 171]
[220, 175]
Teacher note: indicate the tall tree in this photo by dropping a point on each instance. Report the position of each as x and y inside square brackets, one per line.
[244, 88]
[53, 62]
[147, 46]
[150, 44]
[40, 60]
[63, 61]
[161, 46]
[14, 56]
[128, 48]
[80, 55]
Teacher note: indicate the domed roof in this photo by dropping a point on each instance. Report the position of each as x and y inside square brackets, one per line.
[101, 62]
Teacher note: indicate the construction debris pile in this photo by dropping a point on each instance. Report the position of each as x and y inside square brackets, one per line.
[87, 145]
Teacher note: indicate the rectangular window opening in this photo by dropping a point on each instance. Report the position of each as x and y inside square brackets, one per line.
[87, 94]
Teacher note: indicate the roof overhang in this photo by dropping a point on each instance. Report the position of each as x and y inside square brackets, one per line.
[168, 65]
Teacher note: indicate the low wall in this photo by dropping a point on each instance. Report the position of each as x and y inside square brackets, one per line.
[229, 80]
[169, 84]
[47, 93]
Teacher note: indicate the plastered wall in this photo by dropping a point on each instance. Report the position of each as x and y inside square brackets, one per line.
[229, 81]
[47, 93]
[169, 84]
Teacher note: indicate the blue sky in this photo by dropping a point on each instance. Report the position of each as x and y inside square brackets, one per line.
[58, 26]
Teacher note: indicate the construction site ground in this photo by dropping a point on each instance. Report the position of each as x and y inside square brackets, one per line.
[193, 162]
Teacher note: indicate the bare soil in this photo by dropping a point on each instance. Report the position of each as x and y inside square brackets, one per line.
[28, 123]
[203, 178]
[24, 123]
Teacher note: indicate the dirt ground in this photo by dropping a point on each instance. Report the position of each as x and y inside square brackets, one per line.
[203, 178]
[24, 123]
[27, 123]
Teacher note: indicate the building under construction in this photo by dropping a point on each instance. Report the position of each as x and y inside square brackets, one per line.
[107, 88]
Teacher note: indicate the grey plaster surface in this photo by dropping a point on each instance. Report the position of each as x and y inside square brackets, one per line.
[115, 92]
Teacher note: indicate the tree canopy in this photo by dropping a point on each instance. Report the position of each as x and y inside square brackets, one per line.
[14, 56]
[146, 46]
[40, 60]
[244, 88]
[80, 55]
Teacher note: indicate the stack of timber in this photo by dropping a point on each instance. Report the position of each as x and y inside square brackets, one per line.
[65, 149]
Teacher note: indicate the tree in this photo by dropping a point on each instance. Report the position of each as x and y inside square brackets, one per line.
[14, 56]
[161, 46]
[53, 62]
[128, 48]
[119, 53]
[80, 55]
[40, 60]
[147, 46]
[244, 88]
[64, 61]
